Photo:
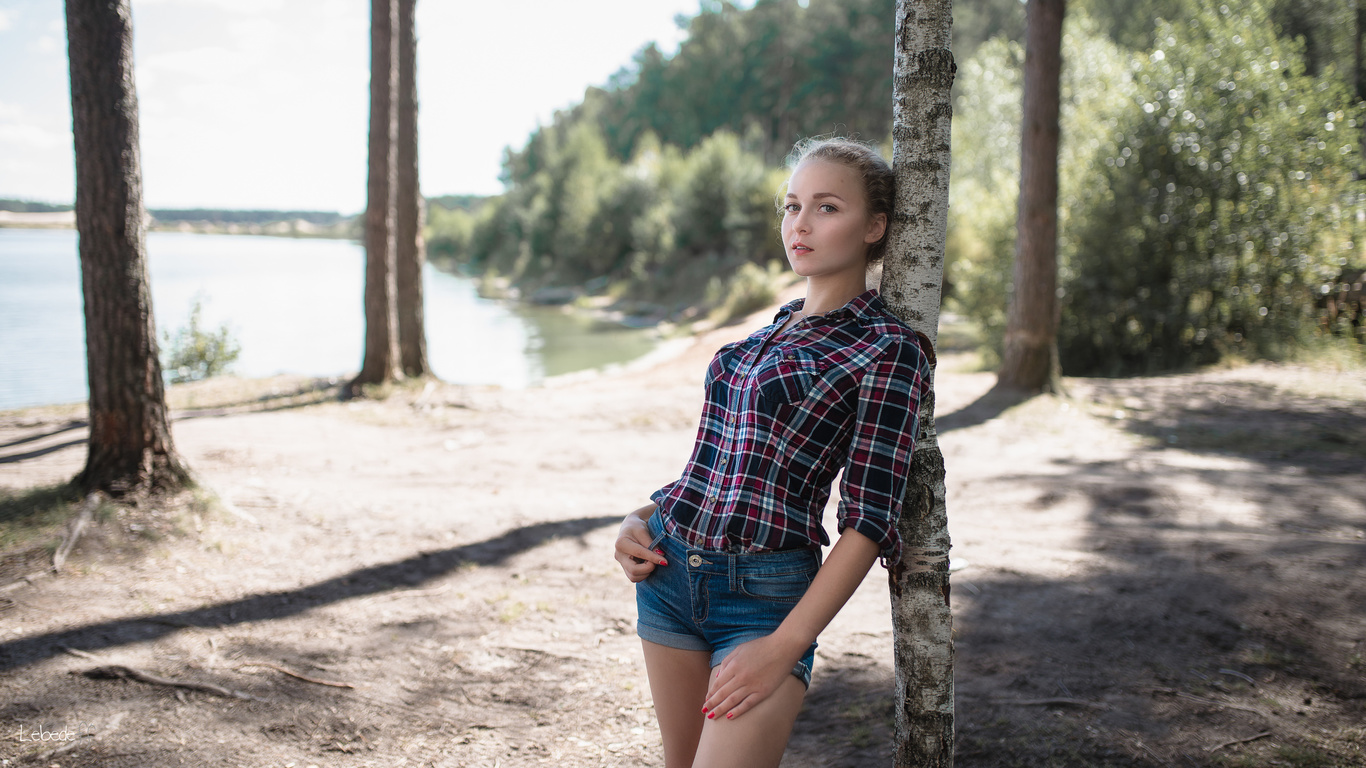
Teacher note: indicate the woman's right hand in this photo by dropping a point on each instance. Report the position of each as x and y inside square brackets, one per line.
[633, 546]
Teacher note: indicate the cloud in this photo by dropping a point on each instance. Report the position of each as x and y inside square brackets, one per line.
[6, 21]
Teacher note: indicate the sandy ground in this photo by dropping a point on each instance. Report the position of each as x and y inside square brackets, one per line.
[1153, 570]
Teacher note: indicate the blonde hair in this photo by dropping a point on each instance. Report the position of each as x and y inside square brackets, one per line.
[879, 187]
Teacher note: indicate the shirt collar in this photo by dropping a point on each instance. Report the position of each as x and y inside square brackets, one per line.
[864, 306]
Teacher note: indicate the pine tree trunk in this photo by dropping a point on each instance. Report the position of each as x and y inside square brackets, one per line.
[911, 278]
[411, 251]
[130, 448]
[381, 319]
[1360, 78]
[1029, 361]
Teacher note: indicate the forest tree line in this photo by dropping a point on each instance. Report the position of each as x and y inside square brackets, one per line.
[1208, 203]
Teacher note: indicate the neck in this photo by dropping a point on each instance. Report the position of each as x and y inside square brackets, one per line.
[829, 293]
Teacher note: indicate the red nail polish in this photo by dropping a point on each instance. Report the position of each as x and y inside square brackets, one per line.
[711, 715]
[704, 710]
[729, 715]
[663, 562]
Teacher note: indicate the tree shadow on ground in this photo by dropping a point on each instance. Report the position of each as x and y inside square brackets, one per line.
[1225, 600]
[406, 573]
[1322, 435]
[1229, 603]
[993, 403]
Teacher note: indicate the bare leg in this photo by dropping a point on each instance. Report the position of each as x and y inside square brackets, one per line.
[755, 739]
[678, 685]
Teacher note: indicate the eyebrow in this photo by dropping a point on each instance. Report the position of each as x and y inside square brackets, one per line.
[820, 195]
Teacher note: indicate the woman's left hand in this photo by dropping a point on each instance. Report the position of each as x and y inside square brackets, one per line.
[749, 674]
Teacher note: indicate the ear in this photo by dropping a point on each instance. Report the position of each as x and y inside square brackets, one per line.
[877, 226]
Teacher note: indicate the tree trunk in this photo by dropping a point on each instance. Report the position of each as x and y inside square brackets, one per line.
[411, 252]
[381, 319]
[130, 448]
[1029, 361]
[911, 279]
[1360, 79]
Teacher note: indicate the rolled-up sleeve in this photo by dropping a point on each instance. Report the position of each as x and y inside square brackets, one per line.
[883, 440]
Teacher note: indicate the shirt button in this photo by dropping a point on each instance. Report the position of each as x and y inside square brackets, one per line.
[723, 461]
[711, 497]
[695, 560]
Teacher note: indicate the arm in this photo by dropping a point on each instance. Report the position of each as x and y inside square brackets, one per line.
[870, 500]
[633, 545]
[756, 669]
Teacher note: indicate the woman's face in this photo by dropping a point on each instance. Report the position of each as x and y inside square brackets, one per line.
[826, 225]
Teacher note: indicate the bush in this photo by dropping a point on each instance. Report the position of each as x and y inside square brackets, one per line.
[1228, 204]
[195, 352]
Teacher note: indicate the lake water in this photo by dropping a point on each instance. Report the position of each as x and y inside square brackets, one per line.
[294, 306]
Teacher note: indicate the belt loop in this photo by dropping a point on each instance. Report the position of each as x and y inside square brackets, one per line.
[732, 560]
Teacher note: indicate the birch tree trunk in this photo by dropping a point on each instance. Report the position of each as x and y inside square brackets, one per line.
[130, 448]
[911, 279]
[1029, 361]
[381, 318]
[410, 252]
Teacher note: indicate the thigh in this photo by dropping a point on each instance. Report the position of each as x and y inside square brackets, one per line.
[755, 739]
[678, 686]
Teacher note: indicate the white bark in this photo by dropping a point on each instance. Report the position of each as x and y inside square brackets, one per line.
[911, 284]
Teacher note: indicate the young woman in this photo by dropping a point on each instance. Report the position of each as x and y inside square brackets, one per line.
[730, 587]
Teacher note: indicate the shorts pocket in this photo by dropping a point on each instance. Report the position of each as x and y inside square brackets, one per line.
[780, 588]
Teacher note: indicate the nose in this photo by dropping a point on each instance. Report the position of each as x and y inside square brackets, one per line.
[799, 222]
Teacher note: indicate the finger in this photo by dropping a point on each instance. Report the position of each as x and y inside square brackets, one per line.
[640, 552]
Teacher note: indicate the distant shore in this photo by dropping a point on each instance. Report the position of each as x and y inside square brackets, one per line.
[343, 229]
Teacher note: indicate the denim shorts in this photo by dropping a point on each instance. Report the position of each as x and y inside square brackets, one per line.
[705, 600]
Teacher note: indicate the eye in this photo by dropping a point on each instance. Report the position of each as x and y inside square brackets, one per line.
[792, 207]
[827, 208]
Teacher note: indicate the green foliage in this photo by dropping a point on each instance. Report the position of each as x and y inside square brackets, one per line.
[1096, 85]
[658, 188]
[658, 228]
[196, 352]
[1228, 204]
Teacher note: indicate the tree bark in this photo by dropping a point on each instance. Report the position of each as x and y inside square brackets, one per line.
[381, 319]
[911, 280]
[1360, 74]
[130, 447]
[411, 251]
[1029, 361]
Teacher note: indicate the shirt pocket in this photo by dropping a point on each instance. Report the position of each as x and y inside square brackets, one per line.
[786, 378]
[721, 363]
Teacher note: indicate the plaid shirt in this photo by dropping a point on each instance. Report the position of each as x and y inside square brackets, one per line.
[784, 413]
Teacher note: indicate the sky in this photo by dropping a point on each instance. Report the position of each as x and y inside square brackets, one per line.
[264, 104]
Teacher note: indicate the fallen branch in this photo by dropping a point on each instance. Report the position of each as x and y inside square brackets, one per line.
[79, 653]
[25, 581]
[83, 518]
[412, 593]
[118, 671]
[294, 674]
[1218, 747]
[1053, 702]
[1215, 702]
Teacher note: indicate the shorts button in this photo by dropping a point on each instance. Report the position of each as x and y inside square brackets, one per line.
[695, 560]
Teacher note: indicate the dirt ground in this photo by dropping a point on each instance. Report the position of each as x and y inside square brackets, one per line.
[1162, 571]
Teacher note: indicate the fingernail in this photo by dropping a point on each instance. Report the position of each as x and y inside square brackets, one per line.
[704, 710]
[663, 562]
[711, 715]
[729, 715]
